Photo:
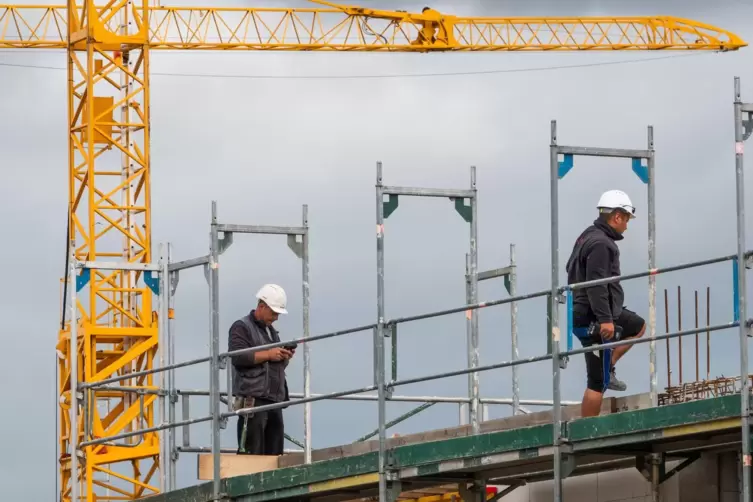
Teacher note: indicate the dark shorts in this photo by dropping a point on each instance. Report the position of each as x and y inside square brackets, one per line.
[599, 366]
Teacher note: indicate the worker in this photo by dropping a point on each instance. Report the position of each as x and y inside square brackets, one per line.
[599, 315]
[259, 377]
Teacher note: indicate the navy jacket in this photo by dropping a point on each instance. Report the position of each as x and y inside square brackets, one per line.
[595, 255]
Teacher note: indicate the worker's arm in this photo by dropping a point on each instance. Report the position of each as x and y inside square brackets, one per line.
[597, 267]
[239, 340]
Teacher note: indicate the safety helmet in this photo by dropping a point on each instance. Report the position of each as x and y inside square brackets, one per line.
[616, 199]
[274, 296]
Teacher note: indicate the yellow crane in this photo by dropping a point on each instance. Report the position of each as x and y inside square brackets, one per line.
[109, 163]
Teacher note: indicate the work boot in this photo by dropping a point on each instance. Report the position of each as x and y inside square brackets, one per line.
[615, 384]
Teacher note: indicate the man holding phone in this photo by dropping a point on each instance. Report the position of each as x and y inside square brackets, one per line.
[259, 377]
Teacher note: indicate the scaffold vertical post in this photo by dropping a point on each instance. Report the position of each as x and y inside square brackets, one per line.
[379, 339]
[73, 354]
[214, 382]
[740, 137]
[306, 334]
[554, 322]
[469, 336]
[512, 290]
[475, 391]
[170, 292]
[163, 356]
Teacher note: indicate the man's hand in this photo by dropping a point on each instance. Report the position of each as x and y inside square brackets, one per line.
[278, 354]
[607, 330]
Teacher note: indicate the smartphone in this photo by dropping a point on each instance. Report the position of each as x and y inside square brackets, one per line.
[290, 346]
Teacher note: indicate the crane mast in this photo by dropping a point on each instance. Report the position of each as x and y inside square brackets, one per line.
[109, 213]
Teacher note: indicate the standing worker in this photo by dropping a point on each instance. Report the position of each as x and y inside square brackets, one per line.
[259, 377]
[598, 312]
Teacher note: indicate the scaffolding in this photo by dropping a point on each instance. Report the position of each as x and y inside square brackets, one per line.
[163, 276]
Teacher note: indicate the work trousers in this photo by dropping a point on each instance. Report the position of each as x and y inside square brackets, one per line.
[265, 431]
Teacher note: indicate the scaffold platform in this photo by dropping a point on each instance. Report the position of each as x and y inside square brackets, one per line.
[508, 452]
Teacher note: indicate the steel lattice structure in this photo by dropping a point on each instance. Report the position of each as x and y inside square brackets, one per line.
[108, 50]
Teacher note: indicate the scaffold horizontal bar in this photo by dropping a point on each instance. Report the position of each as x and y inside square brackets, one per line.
[193, 262]
[144, 431]
[636, 341]
[366, 397]
[497, 272]
[646, 273]
[747, 107]
[301, 341]
[603, 152]
[117, 265]
[135, 374]
[260, 229]
[429, 192]
[208, 449]
[293, 402]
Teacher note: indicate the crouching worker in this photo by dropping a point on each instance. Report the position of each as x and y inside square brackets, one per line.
[259, 377]
[598, 312]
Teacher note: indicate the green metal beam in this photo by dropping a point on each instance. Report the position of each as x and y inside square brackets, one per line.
[422, 459]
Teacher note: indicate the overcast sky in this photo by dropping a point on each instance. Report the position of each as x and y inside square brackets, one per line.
[264, 147]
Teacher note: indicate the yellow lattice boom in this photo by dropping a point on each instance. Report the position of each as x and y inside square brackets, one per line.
[342, 28]
[108, 50]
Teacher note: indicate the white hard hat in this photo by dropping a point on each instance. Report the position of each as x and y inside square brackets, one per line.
[616, 199]
[274, 296]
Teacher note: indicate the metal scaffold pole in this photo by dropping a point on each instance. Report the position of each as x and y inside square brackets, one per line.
[554, 312]
[306, 333]
[73, 354]
[743, 128]
[379, 370]
[512, 290]
[214, 339]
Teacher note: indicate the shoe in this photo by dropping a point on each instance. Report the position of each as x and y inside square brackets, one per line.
[615, 384]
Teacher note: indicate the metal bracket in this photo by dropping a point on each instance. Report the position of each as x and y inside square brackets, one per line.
[563, 362]
[83, 279]
[206, 272]
[151, 282]
[224, 242]
[223, 423]
[388, 390]
[222, 363]
[640, 170]
[174, 279]
[389, 206]
[748, 126]
[565, 165]
[464, 211]
[295, 246]
[749, 262]
[508, 285]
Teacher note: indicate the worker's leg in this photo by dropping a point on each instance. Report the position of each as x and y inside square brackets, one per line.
[274, 434]
[633, 326]
[591, 405]
[254, 433]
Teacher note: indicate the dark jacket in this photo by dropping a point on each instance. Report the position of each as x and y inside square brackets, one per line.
[595, 255]
[265, 380]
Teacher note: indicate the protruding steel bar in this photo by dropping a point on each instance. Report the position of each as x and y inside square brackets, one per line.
[666, 330]
[118, 265]
[697, 354]
[708, 335]
[513, 277]
[604, 152]
[679, 328]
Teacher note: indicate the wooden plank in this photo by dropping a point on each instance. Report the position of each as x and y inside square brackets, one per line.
[234, 465]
